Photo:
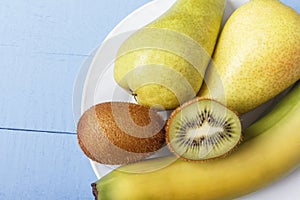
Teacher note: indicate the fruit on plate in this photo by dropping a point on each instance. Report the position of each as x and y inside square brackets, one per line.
[163, 64]
[257, 55]
[203, 129]
[270, 152]
[120, 133]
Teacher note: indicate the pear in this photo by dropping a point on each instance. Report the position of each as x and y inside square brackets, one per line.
[257, 55]
[163, 64]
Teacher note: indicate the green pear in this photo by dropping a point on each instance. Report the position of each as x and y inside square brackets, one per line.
[163, 63]
[257, 55]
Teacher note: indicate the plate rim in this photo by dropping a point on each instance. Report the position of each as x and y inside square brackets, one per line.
[98, 51]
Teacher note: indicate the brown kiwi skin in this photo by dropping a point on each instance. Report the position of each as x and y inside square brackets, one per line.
[178, 109]
[101, 139]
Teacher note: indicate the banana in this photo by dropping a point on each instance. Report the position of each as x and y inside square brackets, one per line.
[270, 152]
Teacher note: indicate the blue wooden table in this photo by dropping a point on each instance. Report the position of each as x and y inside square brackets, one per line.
[42, 47]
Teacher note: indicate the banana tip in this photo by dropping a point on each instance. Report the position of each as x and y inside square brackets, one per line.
[95, 192]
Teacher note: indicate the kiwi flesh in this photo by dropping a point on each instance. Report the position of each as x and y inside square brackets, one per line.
[203, 129]
[117, 133]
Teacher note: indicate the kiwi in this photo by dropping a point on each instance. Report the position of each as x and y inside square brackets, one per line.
[203, 129]
[120, 133]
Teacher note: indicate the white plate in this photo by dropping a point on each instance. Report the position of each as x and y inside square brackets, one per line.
[96, 84]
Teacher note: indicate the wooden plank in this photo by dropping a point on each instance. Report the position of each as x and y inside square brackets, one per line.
[295, 4]
[43, 166]
[42, 46]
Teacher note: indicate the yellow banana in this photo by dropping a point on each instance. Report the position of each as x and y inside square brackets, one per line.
[270, 152]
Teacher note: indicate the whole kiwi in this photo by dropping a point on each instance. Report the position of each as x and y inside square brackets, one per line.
[203, 129]
[120, 133]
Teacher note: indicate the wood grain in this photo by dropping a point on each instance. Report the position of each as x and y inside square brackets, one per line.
[43, 166]
[42, 46]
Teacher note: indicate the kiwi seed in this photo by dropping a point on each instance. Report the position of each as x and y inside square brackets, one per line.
[120, 133]
[203, 129]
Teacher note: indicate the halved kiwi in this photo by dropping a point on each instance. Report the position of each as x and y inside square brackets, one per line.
[203, 129]
[120, 133]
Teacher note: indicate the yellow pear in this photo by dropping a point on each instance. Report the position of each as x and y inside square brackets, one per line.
[257, 55]
[163, 63]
